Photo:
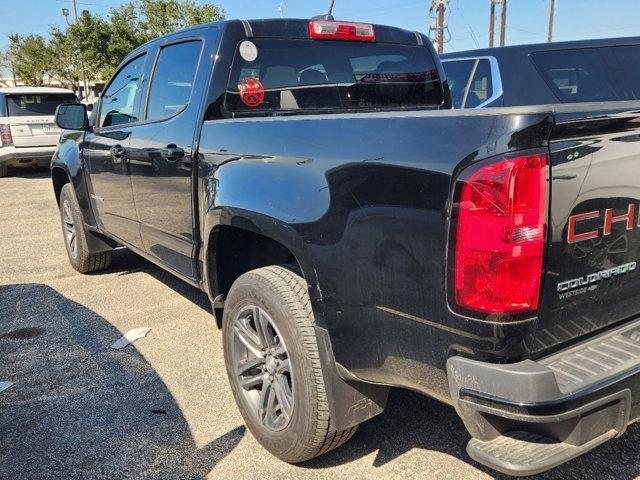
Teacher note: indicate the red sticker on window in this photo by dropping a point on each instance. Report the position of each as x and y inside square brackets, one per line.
[251, 92]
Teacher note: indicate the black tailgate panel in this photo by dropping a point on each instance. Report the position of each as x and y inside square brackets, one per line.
[591, 275]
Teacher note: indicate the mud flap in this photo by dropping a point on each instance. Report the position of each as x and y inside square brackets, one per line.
[350, 402]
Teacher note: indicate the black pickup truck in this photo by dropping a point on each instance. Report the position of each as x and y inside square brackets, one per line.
[354, 232]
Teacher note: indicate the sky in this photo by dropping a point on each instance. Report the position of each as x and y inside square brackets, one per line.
[468, 20]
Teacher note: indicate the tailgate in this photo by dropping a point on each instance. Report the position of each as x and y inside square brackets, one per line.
[592, 278]
[34, 131]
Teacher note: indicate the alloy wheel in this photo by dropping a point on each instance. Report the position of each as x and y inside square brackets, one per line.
[69, 227]
[263, 368]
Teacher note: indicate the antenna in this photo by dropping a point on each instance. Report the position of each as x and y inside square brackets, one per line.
[328, 16]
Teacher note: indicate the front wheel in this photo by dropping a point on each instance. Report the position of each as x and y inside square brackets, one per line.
[273, 365]
[74, 236]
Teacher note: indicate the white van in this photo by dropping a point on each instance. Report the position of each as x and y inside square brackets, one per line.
[28, 132]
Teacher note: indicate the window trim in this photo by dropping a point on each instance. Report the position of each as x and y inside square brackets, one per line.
[152, 73]
[115, 75]
[496, 79]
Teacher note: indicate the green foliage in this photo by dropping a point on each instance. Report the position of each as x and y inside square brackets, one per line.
[93, 46]
[31, 58]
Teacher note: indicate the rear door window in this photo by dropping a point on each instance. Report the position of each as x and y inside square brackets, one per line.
[295, 76]
[481, 87]
[27, 105]
[591, 74]
[173, 80]
[465, 93]
[458, 72]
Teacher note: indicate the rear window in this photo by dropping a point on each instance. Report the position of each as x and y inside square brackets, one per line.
[39, 104]
[293, 76]
[592, 74]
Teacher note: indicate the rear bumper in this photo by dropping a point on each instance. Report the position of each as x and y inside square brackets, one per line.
[26, 156]
[528, 417]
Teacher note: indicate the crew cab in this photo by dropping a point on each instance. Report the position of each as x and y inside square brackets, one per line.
[603, 70]
[355, 233]
[28, 134]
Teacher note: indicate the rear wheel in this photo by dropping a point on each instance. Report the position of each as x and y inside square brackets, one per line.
[4, 171]
[74, 236]
[273, 365]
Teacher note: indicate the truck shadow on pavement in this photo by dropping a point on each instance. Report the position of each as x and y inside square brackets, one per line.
[79, 409]
[30, 173]
[125, 262]
[410, 421]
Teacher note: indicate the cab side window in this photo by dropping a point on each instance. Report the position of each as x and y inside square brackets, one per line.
[122, 99]
[173, 80]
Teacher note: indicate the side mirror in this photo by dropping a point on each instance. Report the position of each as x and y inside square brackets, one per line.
[72, 116]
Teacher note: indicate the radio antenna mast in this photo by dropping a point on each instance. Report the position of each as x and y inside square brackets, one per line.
[328, 16]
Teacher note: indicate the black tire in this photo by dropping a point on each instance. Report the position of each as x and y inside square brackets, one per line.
[74, 236]
[283, 296]
[4, 171]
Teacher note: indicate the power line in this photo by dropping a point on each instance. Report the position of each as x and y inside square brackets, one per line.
[464, 19]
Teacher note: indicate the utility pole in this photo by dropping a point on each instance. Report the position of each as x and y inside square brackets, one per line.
[552, 12]
[440, 34]
[492, 23]
[65, 13]
[75, 10]
[503, 23]
[438, 7]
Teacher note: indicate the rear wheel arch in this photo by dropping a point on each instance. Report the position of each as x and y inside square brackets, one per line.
[234, 246]
[233, 251]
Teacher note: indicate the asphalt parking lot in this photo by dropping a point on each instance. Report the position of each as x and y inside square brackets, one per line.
[161, 408]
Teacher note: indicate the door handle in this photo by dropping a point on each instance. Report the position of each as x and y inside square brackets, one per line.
[118, 151]
[172, 153]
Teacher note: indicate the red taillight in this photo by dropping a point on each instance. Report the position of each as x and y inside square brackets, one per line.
[5, 135]
[326, 30]
[500, 235]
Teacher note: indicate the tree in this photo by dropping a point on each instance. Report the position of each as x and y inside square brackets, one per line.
[139, 21]
[90, 49]
[65, 69]
[6, 67]
[32, 58]
[88, 39]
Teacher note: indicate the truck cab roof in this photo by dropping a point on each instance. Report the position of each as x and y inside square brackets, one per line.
[287, 28]
[503, 52]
